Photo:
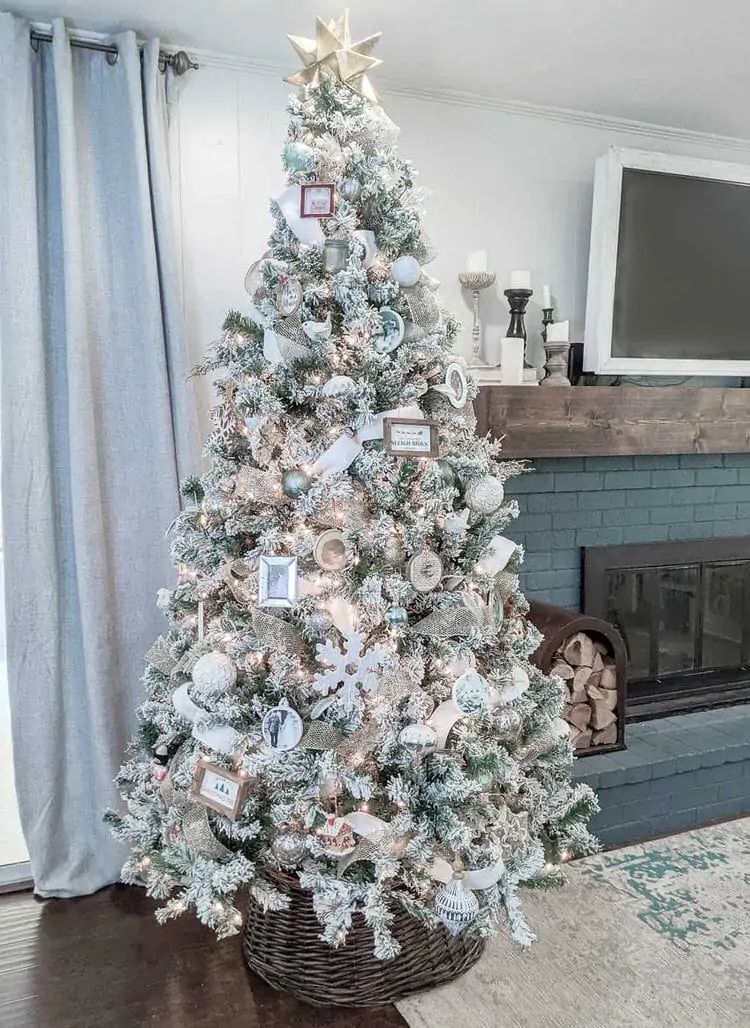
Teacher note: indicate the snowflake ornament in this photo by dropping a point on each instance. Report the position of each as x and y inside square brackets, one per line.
[351, 672]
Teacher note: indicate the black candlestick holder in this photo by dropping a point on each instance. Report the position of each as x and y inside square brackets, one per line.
[518, 300]
[547, 319]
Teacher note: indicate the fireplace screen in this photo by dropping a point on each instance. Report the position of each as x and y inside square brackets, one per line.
[683, 610]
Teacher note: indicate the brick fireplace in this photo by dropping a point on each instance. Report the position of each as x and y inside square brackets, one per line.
[677, 771]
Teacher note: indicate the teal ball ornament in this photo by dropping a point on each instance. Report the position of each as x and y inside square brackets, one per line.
[447, 474]
[297, 156]
[397, 617]
[295, 482]
[351, 189]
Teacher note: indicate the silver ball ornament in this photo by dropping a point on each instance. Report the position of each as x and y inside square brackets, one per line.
[295, 482]
[288, 848]
[214, 673]
[394, 553]
[351, 189]
[418, 738]
[397, 616]
[406, 271]
[339, 385]
[484, 495]
[297, 156]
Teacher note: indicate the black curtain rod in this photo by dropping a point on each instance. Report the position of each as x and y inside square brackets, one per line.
[179, 62]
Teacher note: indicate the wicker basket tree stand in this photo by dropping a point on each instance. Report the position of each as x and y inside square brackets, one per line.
[284, 948]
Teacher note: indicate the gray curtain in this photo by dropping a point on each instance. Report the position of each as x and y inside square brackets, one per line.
[97, 425]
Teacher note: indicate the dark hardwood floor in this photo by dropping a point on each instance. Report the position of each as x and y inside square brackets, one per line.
[103, 962]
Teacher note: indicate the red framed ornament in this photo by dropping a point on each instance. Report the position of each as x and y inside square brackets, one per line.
[316, 201]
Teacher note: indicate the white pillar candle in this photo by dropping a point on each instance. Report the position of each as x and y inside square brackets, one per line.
[477, 261]
[559, 332]
[520, 280]
[511, 361]
[546, 297]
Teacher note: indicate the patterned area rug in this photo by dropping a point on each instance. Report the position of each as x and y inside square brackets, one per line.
[652, 935]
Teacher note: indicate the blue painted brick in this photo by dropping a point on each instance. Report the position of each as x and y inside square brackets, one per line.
[538, 580]
[566, 559]
[534, 483]
[537, 562]
[654, 806]
[680, 533]
[743, 509]
[744, 476]
[566, 464]
[631, 516]
[598, 536]
[535, 522]
[609, 463]
[649, 498]
[543, 503]
[700, 796]
[682, 478]
[645, 534]
[578, 519]
[578, 482]
[716, 476]
[737, 460]
[550, 540]
[730, 493]
[734, 788]
[672, 515]
[716, 512]
[725, 808]
[627, 480]
[615, 499]
[701, 460]
[673, 822]
[656, 463]
[698, 494]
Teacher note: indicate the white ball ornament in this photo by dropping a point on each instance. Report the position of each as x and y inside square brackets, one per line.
[419, 738]
[339, 385]
[406, 271]
[484, 495]
[214, 672]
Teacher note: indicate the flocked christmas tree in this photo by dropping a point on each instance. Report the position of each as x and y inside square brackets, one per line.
[344, 692]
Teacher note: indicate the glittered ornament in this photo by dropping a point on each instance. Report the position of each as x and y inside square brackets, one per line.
[484, 495]
[394, 553]
[297, 155]
[329, 550]
[288, 848]
[418, 738]
[295, 482]
[447, 474]
[455, 905]
[406, 271]
[424, 571]
[214, 673]
[397, 616]
[506, 584]
[508, 725]
[351, 189]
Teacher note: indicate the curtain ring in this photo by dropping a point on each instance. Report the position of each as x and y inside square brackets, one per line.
[113, 56]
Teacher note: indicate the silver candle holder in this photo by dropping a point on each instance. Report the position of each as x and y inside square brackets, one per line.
[476, 281]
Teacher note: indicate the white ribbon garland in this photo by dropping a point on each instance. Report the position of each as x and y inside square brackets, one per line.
[346, 448]
[307, 230]
[481, 878]
[222, 738]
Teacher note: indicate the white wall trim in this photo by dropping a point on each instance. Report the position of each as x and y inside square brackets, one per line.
[458, 98]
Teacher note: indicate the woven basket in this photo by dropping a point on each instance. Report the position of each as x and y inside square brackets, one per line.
[283, 947]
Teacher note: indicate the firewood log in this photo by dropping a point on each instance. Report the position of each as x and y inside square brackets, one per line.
[601, 716]
[580, 715]
[606, 736]
[579, 650]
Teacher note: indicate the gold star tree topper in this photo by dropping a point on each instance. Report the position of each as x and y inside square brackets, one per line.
[333, 50]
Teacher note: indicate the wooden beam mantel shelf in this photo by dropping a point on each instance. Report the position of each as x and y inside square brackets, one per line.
[592, 421]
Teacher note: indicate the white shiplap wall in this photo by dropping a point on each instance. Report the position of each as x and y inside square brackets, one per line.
[515, 183]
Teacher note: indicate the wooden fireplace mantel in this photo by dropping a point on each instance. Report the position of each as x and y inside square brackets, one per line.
[593, 421]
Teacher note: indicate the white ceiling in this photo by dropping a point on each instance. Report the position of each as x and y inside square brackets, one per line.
[672, 62]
